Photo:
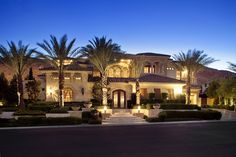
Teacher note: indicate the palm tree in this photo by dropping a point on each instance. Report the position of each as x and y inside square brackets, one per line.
[18, 58]
[193, 61]
[56, 53]
[232, 66]
[102, 53]
[137, 68]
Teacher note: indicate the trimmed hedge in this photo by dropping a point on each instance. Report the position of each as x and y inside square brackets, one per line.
[227, 107]
[59, 110]
[8, 109]
[39, 121]
[179, 107]
[153, 119]
[91, 117]
[42, 106]
[29, 113]
[201, 115]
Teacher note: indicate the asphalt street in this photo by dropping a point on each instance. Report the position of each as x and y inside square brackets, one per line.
[168, 140]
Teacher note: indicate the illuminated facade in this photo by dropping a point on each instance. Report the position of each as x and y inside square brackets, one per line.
[159, 76]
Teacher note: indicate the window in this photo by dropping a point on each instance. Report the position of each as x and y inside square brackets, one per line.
[68, 94]
[78, 76]
[143, 92]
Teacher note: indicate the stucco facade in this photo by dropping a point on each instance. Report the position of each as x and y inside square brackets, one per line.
[158, 76]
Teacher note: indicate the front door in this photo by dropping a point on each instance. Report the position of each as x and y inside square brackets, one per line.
[119, 98]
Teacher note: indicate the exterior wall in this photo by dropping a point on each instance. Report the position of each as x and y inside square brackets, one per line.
[164, 87]
[77, 87]
[123, 86]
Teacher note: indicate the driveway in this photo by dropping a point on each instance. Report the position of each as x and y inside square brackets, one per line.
[227, 115]
[166, 140]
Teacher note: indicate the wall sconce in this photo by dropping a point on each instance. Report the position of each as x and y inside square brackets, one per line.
[82, 91]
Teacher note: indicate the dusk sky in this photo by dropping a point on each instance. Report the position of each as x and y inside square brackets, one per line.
[161, 26]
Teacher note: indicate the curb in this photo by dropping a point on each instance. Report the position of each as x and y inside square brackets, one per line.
[116, 125]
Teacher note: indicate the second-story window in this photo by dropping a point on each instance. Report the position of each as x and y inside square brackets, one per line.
[77, 76]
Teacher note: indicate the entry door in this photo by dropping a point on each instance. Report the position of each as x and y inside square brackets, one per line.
[119, 99]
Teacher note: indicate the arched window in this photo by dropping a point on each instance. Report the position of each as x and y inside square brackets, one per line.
[68, 94]
[125, 72]
[117, 72]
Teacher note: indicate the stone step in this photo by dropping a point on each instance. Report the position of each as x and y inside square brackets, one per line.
[123, 118]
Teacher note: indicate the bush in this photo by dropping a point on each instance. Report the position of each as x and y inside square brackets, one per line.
[39, 121]
[153, 119]
[8, 108]
[42, 106]
[95, 121]
[179, 107]
[201, 115]
[63, 121]
[151, 96]
[227, 107]
[59, 110]
[29, 113]
[90, 115]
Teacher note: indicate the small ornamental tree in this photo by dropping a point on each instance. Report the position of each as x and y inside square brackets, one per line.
[3, 87]
[11, 95]
[32, 87]
[212, 91]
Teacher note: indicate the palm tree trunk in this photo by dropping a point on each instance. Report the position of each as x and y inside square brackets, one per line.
[21, 91]
[137, 92]
[61, 87]
[188, 87]
[104, 89]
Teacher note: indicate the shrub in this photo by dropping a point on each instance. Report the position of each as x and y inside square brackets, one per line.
[29, 113]
[59, 110]
[39, 121]
[42, 106]
[153, 119]
[201, 115]
[90, 115]
[8, 108]
[30, 121]
[151, 96]
[63, 121]
[179, 107]
[95, 121]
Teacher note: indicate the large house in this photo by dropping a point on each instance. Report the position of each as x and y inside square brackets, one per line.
[158, 76]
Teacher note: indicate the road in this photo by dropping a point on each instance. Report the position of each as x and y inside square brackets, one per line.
[166, 140]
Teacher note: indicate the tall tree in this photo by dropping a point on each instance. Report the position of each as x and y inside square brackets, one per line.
[57, 52]
[193, 61]
[137, 69]
[102, 53]
[232, 66]
[18, 59]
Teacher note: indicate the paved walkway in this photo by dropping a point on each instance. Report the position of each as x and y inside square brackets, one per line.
[123, 118]
[227, 115]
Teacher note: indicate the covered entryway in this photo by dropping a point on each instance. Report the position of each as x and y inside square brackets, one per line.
[119, 98]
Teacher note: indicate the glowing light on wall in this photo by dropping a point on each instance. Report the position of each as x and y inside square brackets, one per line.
[178, 90]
